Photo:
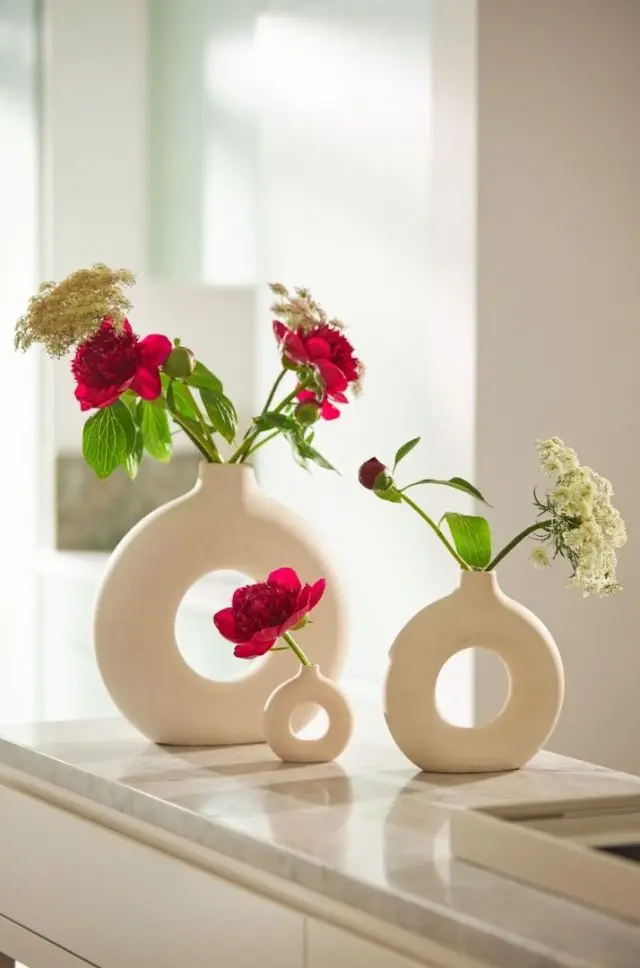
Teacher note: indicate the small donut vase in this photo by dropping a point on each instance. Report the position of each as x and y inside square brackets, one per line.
[308, 686]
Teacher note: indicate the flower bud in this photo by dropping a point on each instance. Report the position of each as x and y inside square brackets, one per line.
[308, 412]
[374, 475]
[180, 363]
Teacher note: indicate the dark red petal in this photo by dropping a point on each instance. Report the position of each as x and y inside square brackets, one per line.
[153, 350]
[251, 650]
[146, 383]
[98, 397]
[316, 592]
[292, 621]
[306, 395]
[286, 578]
[328, 411]
[225, 622]
[302, 603]
[317, 349]
[294, 348]
[279, 330]
[270, 634]
[332, 377]
[339, 397]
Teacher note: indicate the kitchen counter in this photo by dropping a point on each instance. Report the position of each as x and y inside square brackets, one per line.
[367, 833]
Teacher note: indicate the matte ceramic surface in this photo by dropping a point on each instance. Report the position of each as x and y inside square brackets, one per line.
[308, 686]
[476, 614]
[225, 522]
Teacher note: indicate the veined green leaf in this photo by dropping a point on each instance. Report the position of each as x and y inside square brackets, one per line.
[107, 438]
[275, 421]
[204, 378]
[457, 483]
[133, 459]
[155, 431]
[303, 451]
[402, 452]
[130, 399]
[221, 412]
[310, 453]
[471, 537]
[180, 401]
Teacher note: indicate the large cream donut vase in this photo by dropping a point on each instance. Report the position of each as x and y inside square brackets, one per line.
[477, 613]
[225, 522]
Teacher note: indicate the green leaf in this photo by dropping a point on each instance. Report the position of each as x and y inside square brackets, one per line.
[310, 453]
[275, 421]
[303, 451]
[108, 438]
[221, 412]
[130, 399]
[180, 401]
[133, 459]
[202, 378]
[458, 483]
[155, 431]
[391, 494]
[402, 452]
[471, 536]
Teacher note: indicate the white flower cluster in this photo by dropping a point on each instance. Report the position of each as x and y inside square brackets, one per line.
[586, 528]
[540, 557]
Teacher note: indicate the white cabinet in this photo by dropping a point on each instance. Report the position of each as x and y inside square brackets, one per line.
[120, 904]
[329, 947]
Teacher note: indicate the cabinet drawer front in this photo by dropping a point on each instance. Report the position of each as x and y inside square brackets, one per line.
[122, 904]
[328, 946]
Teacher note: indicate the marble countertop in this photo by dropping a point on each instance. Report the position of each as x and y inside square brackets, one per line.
[367, 831]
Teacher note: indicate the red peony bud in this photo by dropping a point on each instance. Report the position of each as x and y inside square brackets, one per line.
[374, 475]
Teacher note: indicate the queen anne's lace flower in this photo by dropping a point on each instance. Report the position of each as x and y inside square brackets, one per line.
[63, 314]
[540, 557]
[582, 524]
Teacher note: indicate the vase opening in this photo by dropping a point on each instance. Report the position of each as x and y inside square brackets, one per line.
[482, 667]
[199, 642]
[317, 728]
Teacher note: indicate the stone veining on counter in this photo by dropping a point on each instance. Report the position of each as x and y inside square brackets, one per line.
[368, 831]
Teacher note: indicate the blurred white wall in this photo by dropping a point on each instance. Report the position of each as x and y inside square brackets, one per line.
[110, 188]
[367, 175]
[558, 304]
[21, 386]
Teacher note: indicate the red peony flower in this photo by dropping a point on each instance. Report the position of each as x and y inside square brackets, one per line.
[261, 613]
[108, 363]
[329, 351]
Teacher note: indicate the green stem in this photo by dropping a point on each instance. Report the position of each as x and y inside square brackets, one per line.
[241, 454]
[434, 527]
[538, 526]
[261, 443]
[274, 389]
[194, 440]
[208, 438]
[289, 639]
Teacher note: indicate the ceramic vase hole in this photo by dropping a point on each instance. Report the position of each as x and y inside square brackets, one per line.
[318, 726]
[478, 666]
[200, 643]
